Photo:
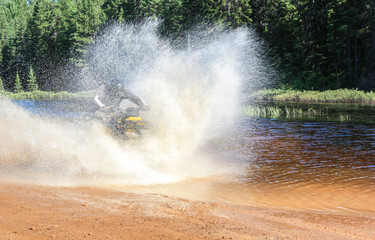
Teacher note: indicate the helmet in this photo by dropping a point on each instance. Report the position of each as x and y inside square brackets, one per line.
[133, 112]
[116, 84]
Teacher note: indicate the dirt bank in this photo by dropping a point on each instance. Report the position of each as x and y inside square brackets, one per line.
[39, 212]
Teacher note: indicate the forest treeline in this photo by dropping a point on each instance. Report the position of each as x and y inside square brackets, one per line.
[315, 44]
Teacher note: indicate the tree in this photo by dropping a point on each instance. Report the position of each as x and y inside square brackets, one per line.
[318, 44]
[238, 13]
[17, 84]
[1, 85]
[133, 11]
[88, 18]
[31, 84]
[197, 12]
[41, 38]
[171, 13]
[13, 21]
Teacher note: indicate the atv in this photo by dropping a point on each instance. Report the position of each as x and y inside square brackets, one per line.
[125, 125]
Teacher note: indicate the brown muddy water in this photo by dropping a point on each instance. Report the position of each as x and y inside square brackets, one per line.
[319, 166]
[304, 164]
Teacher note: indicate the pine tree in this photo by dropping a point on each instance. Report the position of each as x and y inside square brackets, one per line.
[89, 17]
[1, 85]
[65, 25]
[238, 13]
[195, 12]
[31, 82]
[13, 21]
[131, 10]
[171, 12]
[17, 84]
[41, 39]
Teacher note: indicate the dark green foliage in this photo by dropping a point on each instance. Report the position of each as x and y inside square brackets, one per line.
[88, 18]
[171, 12]
[42, 42]
[13, 23]
[206, 11]
[17, 84]
[130, 10]
[1, 85]
[321, 44]
[238, 13]
[31, 84]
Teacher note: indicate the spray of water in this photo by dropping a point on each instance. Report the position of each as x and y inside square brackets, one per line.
[194, 94]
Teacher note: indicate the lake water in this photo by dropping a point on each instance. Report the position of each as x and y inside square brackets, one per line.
[317, 165]
[304, 164]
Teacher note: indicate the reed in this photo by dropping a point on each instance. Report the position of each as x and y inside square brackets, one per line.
[329, 96]
[46, 95]
[283, 112]
[344, 118]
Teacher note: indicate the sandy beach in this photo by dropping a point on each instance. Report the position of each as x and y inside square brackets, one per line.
[43, 212]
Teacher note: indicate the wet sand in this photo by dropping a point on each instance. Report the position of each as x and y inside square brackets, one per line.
[41, 212]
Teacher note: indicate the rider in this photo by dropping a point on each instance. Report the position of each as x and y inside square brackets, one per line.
[109, 96]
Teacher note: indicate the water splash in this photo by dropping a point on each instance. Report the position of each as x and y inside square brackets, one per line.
[194, 95]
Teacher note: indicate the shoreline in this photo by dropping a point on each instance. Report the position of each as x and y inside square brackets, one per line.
[43, 212]
[303, 96]
[345, 96]
[47, 95]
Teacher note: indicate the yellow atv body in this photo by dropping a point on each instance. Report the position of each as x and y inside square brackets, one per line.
[130, 127]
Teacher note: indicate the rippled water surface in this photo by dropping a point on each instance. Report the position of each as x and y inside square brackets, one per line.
[303, 164]
[310, 164]
[322, 166]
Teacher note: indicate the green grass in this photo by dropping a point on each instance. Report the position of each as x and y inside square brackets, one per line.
[299, 113]
[283, 112]
[329, 96]
[45, 95]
